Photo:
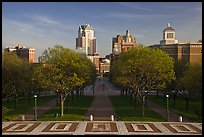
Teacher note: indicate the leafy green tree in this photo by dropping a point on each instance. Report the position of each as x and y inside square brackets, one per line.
[191, 82]
[179, 69]
[64, 71]
[13, 75]
[143, 69]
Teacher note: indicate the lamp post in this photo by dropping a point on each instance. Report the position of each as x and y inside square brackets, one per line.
[145, 97]
[35, 104]
[167, 108]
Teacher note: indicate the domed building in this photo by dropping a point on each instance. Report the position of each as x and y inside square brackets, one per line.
[185, 51]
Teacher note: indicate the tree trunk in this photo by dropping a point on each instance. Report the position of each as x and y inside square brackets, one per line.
[61, 105]
[15, 101]
[146, 100]
[72, 93]
[174, 99]
[29, 97]
[130, 96]
[57, 99]
[126, 94]
[77, 94]
[143, 98]
[136, 102]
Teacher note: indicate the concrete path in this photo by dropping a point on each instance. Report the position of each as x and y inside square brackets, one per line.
[41, 109]
[173, 117]
[101, 108]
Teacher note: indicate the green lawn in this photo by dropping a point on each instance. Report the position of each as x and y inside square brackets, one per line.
[180, 106]
[126, 110]
[75, 111]
[22, 106]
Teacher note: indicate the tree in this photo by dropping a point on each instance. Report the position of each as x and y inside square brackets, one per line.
[192, 74]
[63, 70]
[143, 69]
[179, 69]
[191, 82]
[14, 69]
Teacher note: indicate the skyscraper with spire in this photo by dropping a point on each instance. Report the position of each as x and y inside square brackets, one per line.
[86, 43]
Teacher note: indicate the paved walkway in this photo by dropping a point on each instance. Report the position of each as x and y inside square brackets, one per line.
[173, 117]
[41, 109]
[100, 128]
[102, 109]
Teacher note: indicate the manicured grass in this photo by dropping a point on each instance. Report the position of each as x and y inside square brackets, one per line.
[22, 106]
[180, 106]
[126, 110]
[74, 111]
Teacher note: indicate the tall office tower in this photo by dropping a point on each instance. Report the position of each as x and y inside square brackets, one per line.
[86, 42]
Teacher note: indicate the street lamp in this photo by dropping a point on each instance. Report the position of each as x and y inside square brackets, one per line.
[35, 104]
[167, 108]
[145, 97]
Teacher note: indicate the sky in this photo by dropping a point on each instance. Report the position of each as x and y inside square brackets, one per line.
[41, 25]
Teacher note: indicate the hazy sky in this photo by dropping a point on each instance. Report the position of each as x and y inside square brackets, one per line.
[44, 24]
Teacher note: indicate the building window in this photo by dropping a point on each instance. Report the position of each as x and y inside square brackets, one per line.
[169, 35]
[184, 51]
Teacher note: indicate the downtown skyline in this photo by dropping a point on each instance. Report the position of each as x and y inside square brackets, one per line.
[44, 24]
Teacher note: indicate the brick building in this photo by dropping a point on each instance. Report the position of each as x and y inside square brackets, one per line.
[23, 52]
[186, 52]
[123, 43]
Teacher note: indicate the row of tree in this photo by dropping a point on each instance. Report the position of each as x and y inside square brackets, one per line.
[59, 69]
[141, 69]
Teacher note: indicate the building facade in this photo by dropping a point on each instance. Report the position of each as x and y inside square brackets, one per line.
[86, 44]
[104, 65]
[184, 51]
[123, 43]
[23, 52]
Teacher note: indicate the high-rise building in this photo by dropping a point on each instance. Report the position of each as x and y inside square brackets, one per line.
[23, 52]
[86, 44]
[184, 51]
